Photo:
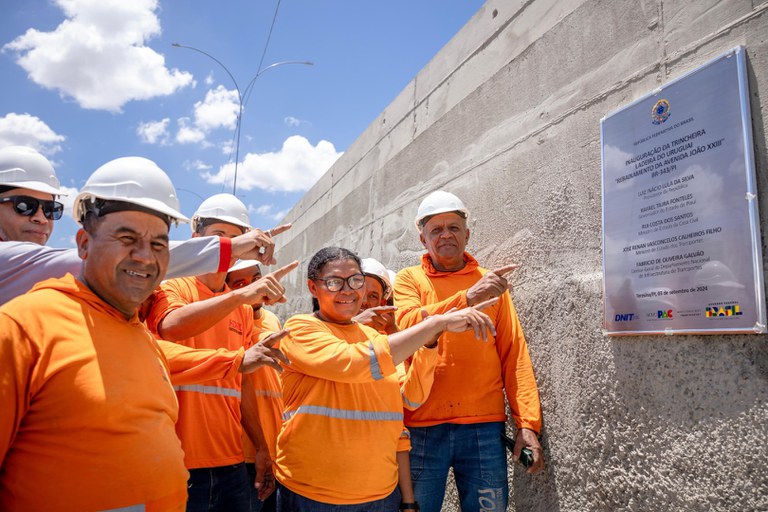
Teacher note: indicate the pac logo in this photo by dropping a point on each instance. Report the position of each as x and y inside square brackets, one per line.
[660, 112]
[624, 317]
[665, 314]
[727, 310]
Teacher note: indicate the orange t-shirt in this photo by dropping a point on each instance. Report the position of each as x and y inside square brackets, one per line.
[268, 395]
[471, 376]
[88, 411]
[209, 413]
[343, 413]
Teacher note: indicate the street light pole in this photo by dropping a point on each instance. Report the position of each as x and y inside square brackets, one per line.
[240, 95]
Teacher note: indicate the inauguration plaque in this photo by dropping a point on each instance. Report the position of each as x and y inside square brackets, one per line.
[681, 234]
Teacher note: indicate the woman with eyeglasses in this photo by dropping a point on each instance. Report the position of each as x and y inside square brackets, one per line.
[343, 412]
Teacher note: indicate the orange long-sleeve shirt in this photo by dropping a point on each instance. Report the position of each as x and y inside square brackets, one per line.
[471, 376]
[88, 411]
[343, 413]
[268, 395]
[209, 413]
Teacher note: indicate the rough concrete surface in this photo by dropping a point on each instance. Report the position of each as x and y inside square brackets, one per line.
[507, 116]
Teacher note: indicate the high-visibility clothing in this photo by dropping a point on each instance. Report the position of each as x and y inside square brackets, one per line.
[268, 395]
[22, 264]
[209, 414]
[471, 375]
[88, 410]
[343, 413]
[416, 375]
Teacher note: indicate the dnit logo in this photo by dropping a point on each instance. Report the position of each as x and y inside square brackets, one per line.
[729, 310]
[624, 317]
[665, 314]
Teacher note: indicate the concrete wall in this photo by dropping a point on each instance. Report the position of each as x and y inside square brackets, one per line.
[507, 117]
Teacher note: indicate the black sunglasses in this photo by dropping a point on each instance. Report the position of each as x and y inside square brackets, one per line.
[27, 206]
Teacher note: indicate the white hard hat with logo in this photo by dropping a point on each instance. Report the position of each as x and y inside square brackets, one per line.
[224, 207]
[375, 269]
[133, 180]
[439, 202]
[23, 167]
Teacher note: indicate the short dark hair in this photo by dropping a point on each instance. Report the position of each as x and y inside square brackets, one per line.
[7, 188]
[326, 255]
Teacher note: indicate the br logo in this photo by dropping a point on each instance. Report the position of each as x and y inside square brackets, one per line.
[665, 314]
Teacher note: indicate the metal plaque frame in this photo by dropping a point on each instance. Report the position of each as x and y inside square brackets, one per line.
[682, 251]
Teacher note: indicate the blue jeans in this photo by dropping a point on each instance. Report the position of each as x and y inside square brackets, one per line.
[268, 505]
[223, 489]
[476, 453]
[289, 501]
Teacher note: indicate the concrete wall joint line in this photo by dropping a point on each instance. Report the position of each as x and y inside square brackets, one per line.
[418, 102]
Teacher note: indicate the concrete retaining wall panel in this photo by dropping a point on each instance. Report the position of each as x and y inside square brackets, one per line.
[507, 116]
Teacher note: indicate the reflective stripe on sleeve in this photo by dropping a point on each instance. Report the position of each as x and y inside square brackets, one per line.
[344, 414]
[208, 390]
[412, 405]
[375, 369]
[132, 508]
[268, 394]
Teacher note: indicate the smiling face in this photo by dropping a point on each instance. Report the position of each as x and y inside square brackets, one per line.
[19, 228]
[445, 237]
[337, 307]
[374, 294]
[126, 256]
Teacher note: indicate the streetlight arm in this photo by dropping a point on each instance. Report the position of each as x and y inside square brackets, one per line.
[237, 88]
[249, 87]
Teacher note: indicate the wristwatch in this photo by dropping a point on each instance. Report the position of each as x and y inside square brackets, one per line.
[410, 506]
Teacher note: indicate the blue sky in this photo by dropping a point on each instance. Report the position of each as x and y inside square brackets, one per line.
[86, 81]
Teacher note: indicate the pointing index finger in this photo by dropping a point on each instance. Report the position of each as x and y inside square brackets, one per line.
[503, 270]
[279, 229]
[281, 272]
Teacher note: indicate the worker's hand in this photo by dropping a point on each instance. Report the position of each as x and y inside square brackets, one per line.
[470, 319]
[264, 353]
[491, 285]
[257, 244]
[527, 438]
[381, 318]
[265, 479]
[267, 289]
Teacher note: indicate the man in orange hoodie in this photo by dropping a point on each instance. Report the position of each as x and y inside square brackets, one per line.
[462, 421]
[88, 408]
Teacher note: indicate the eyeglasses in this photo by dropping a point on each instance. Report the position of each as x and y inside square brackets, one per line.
[334, 284]
[27, 206]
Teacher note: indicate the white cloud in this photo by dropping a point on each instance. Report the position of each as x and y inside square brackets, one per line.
[98, 55]
[187, 133]
[196, 165]
[209, 80]
[69, 199]
[265, 210]
[292, 121]
[154, 132]
[218, 110]
[28, 130]
[296, 167]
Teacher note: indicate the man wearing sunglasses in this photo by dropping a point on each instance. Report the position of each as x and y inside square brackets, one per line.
[29, 188]
[27, 196]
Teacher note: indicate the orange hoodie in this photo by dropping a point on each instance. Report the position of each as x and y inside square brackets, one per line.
[88, 409]
[471, 376]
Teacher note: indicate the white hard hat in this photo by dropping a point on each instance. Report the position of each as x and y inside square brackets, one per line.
[392, 274]
[243, 264]
[714, 273]
[134, 180]
[439, 202]
[23, 167]
[375, 269]
[224, 207]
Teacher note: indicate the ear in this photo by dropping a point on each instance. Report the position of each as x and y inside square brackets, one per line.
[82, 238]
[423, 241]
[467, 237]
[312, 287]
